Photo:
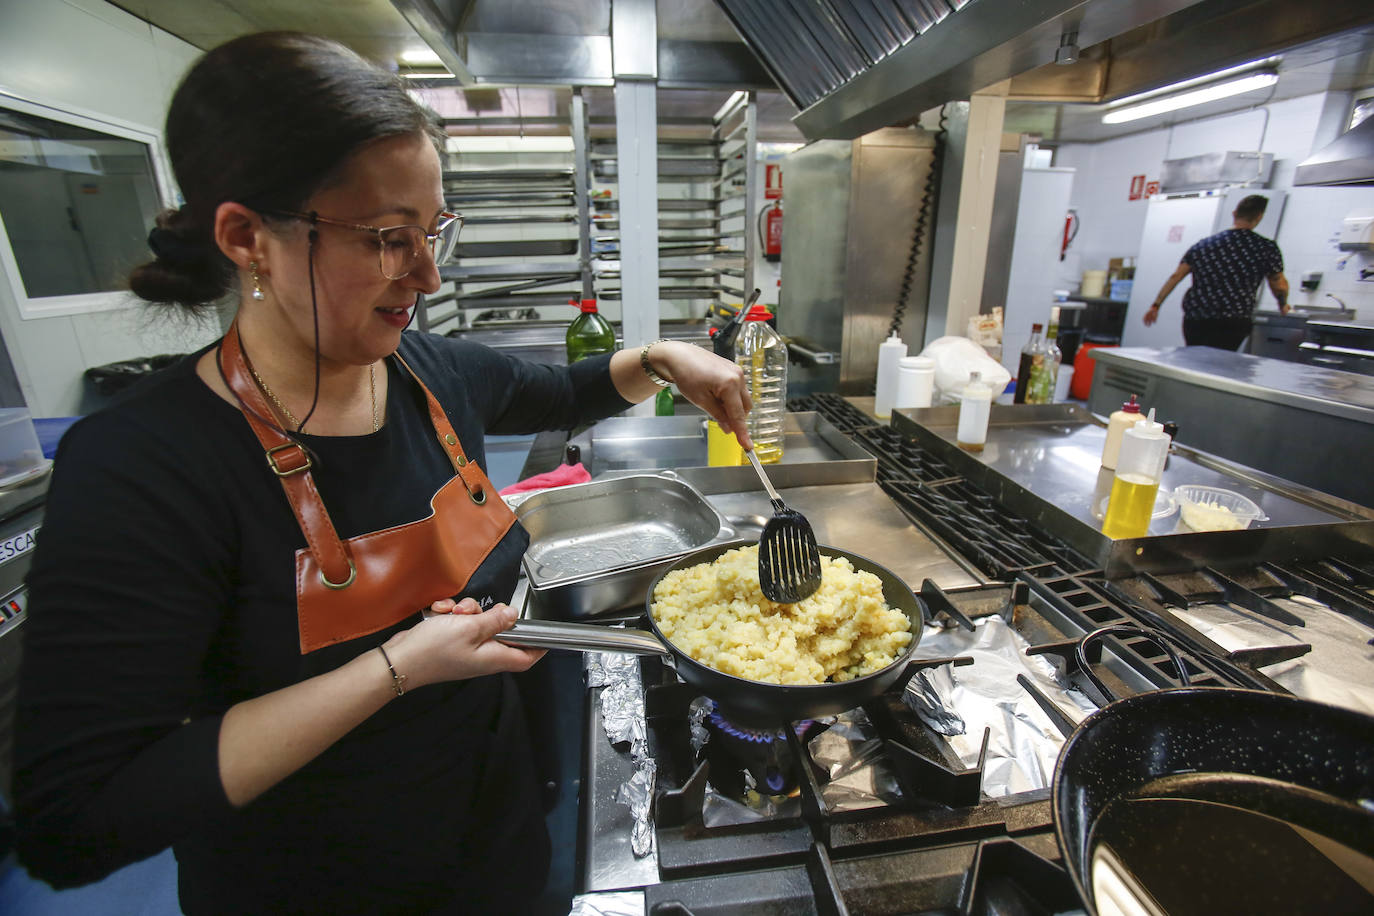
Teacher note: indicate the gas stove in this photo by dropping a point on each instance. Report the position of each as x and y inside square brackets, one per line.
[935, 796]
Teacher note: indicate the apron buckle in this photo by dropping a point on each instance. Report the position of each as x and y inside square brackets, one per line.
[276, 465]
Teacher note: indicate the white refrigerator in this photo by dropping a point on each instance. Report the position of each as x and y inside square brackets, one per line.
[1173, 223]
[1041, 205]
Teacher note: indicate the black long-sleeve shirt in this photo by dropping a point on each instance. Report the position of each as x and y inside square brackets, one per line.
[162, 593]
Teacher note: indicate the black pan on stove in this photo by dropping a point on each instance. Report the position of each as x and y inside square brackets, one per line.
[754, 701]
[1206, 800]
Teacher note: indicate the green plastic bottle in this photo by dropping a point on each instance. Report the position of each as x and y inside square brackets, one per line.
[663, 403]
[589, 334]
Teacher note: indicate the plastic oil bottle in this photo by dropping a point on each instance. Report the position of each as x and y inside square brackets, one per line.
[1144, 447]
[589, 334]
[761, 353]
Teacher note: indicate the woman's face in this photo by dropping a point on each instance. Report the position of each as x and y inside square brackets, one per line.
[391, 182]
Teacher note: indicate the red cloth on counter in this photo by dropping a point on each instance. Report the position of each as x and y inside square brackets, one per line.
[560, 476]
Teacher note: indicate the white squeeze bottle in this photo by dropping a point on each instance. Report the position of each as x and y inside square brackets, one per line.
[1117, 424]
[1136, 485]
[890, 354]
[975, 406]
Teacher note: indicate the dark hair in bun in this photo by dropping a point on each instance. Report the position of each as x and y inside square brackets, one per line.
[265, 120]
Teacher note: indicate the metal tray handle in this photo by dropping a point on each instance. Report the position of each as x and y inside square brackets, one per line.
[581, 637]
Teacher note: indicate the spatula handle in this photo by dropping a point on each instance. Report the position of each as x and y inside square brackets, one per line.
[767, 485]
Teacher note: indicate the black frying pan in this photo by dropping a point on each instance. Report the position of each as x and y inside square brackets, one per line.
[1181, 775]
[755, 700]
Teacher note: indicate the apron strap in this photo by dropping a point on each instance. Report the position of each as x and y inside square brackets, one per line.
[448, 441]
[289, 460]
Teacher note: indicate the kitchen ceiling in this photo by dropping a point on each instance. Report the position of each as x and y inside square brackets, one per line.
[379, 31]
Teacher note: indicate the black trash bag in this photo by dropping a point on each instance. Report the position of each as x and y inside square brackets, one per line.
[113, 378]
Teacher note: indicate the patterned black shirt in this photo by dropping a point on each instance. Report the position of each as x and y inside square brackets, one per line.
[1227, 270]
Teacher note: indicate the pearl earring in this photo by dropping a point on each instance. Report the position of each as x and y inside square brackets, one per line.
[257, 282]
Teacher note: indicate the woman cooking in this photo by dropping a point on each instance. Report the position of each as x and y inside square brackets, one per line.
[225, 650]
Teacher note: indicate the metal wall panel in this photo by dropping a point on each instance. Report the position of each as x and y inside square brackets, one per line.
[851, 210]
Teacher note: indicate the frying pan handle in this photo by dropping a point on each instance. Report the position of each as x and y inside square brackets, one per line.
[581, 637]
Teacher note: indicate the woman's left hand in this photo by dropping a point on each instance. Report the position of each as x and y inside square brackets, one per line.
[714, 384]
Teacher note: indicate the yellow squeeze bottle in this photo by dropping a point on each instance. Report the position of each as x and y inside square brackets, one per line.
[1138, 467]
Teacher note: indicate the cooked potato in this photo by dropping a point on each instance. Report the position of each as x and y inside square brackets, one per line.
[716, 613]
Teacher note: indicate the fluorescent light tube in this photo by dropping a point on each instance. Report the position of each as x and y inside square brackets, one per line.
[419, 56]
[1198, 96]
[433, 75]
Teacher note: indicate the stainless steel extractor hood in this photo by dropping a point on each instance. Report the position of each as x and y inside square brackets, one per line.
[852, 67]
[1349, 159]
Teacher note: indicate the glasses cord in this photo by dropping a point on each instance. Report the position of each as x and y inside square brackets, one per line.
[315, 312]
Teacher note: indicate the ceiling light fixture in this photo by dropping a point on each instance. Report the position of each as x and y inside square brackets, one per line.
[419, 56]
[1225, 89]
[429, 75]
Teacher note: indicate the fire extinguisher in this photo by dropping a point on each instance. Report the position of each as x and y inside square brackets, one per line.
[770, 231]
[1070, 232]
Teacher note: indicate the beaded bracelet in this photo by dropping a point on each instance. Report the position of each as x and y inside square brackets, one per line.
[398, 680]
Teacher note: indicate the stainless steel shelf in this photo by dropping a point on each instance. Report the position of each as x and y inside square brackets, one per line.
[483, 273]
[517, 219]
[476, 175]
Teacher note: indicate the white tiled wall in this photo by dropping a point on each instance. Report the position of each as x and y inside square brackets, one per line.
[92, 58]
[1291, 130]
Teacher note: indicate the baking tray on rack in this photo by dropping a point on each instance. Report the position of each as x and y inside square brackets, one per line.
[1043, 461]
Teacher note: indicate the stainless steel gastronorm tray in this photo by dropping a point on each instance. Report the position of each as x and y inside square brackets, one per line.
[1043, 462]
[595, 547]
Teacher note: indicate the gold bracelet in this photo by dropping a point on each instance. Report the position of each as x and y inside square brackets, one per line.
[654, 377]
[398, 681]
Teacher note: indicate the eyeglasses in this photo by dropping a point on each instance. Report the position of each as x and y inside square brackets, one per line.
[398, 246]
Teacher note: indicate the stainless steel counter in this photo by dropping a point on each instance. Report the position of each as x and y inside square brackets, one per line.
[1304, 423]
[1312, 388]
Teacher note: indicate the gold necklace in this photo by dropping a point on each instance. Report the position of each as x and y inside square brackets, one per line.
[291, 418]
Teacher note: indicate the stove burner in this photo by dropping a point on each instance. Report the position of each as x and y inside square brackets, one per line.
[764, 754]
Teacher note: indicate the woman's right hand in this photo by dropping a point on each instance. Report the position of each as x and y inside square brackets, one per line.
[457, 642]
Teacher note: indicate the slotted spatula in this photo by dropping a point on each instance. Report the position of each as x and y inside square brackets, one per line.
[789, 560]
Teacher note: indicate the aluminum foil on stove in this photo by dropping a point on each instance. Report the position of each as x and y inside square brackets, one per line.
[622, 718]
[608, 903]
[853, 756]
[1340, 668]
[960, 703]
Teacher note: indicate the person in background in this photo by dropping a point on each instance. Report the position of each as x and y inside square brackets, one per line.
[1227, 269]
[265, 602]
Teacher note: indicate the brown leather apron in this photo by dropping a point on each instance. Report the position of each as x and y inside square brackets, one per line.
[347, 589]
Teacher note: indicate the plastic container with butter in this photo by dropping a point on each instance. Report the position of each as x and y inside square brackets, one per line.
[1203, 508]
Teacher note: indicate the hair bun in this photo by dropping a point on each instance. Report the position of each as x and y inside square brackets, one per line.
[175, 248]
[186, 270]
